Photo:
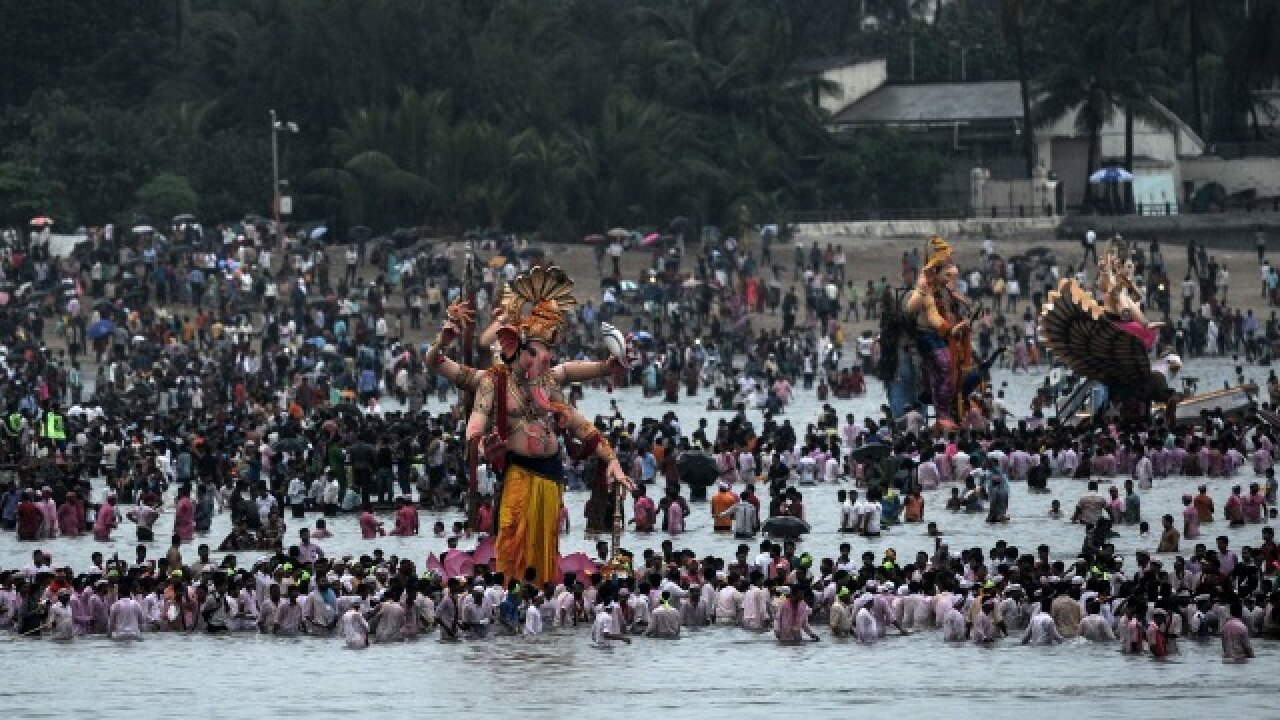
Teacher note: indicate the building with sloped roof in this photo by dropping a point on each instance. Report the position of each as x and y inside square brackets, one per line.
[979, 128]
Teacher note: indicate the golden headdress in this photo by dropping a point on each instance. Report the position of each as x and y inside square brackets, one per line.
[548, 293]
[937, 252]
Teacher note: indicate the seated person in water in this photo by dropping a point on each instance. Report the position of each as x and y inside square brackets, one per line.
[240, 538]
[955, 503]
[972, 498]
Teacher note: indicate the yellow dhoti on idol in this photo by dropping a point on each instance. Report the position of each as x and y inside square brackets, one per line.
[529, 519]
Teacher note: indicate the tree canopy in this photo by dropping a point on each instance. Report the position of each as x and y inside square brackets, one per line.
[556, 116]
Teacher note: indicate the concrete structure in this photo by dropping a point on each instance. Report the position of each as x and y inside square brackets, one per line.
[1235, 175]
[980, 125]
[853, 78]
[1045, 227]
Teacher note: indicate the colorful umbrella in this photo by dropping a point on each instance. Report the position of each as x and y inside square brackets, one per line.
[577, 563]
[99, 329]
[1110, 175]
[41, 220]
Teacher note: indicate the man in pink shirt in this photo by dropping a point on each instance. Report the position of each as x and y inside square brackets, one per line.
[184, 517]
[1261, 460]
[1235, 636]
[370, 528]
[71, 516]
[1255, 505]
[1190, 519]
[406, 519]
[1234, 508]
[927, 473]
[106, 521]
[644, 513]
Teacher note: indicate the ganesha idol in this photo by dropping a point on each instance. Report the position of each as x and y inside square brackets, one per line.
[519, 415]
[1107, 342]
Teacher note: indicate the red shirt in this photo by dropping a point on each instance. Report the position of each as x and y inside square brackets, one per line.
[29, 520]
[645, 514]
[368, 525]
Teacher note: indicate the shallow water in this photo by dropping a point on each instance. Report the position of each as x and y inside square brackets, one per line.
[703, 673]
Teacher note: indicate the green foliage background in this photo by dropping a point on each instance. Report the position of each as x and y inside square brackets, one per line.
[558, 116]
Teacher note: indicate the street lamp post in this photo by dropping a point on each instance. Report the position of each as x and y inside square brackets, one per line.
[964, 50]
[276, 127]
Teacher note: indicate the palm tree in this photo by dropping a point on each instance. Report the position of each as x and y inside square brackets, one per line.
[1084, 77]
[390, 160]
[1012, 25]
[1192, 31]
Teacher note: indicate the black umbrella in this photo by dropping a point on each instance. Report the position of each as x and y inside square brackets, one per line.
[785, 526]
[347, 408]
[697, 469]
[360, 232]
[870, 452]
[533, 252]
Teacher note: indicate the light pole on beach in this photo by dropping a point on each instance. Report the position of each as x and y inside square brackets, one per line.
[276, 127]
[964, 50]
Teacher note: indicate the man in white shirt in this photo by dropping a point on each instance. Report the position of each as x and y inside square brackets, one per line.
[639, 605]
[871, 518]
[728, 605]
[665, 620]
[808, 470]
[602, 630]
[831, 470]
[764, 561]
[746, 520]
[960, 466]
[1042, 630]
[848, 513]
[265, 503]
[755, 608]
[533, 616]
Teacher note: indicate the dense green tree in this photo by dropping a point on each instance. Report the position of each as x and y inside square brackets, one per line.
[165, 196]
[557, 116]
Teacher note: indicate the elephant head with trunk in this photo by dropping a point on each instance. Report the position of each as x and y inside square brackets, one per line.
[526, 350]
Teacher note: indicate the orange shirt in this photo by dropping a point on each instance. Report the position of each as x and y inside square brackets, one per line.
[1204, 507]
[914, 509]
[720, 502]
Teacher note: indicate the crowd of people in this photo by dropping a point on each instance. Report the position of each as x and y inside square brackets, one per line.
[233, 374]
[1000, 594]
